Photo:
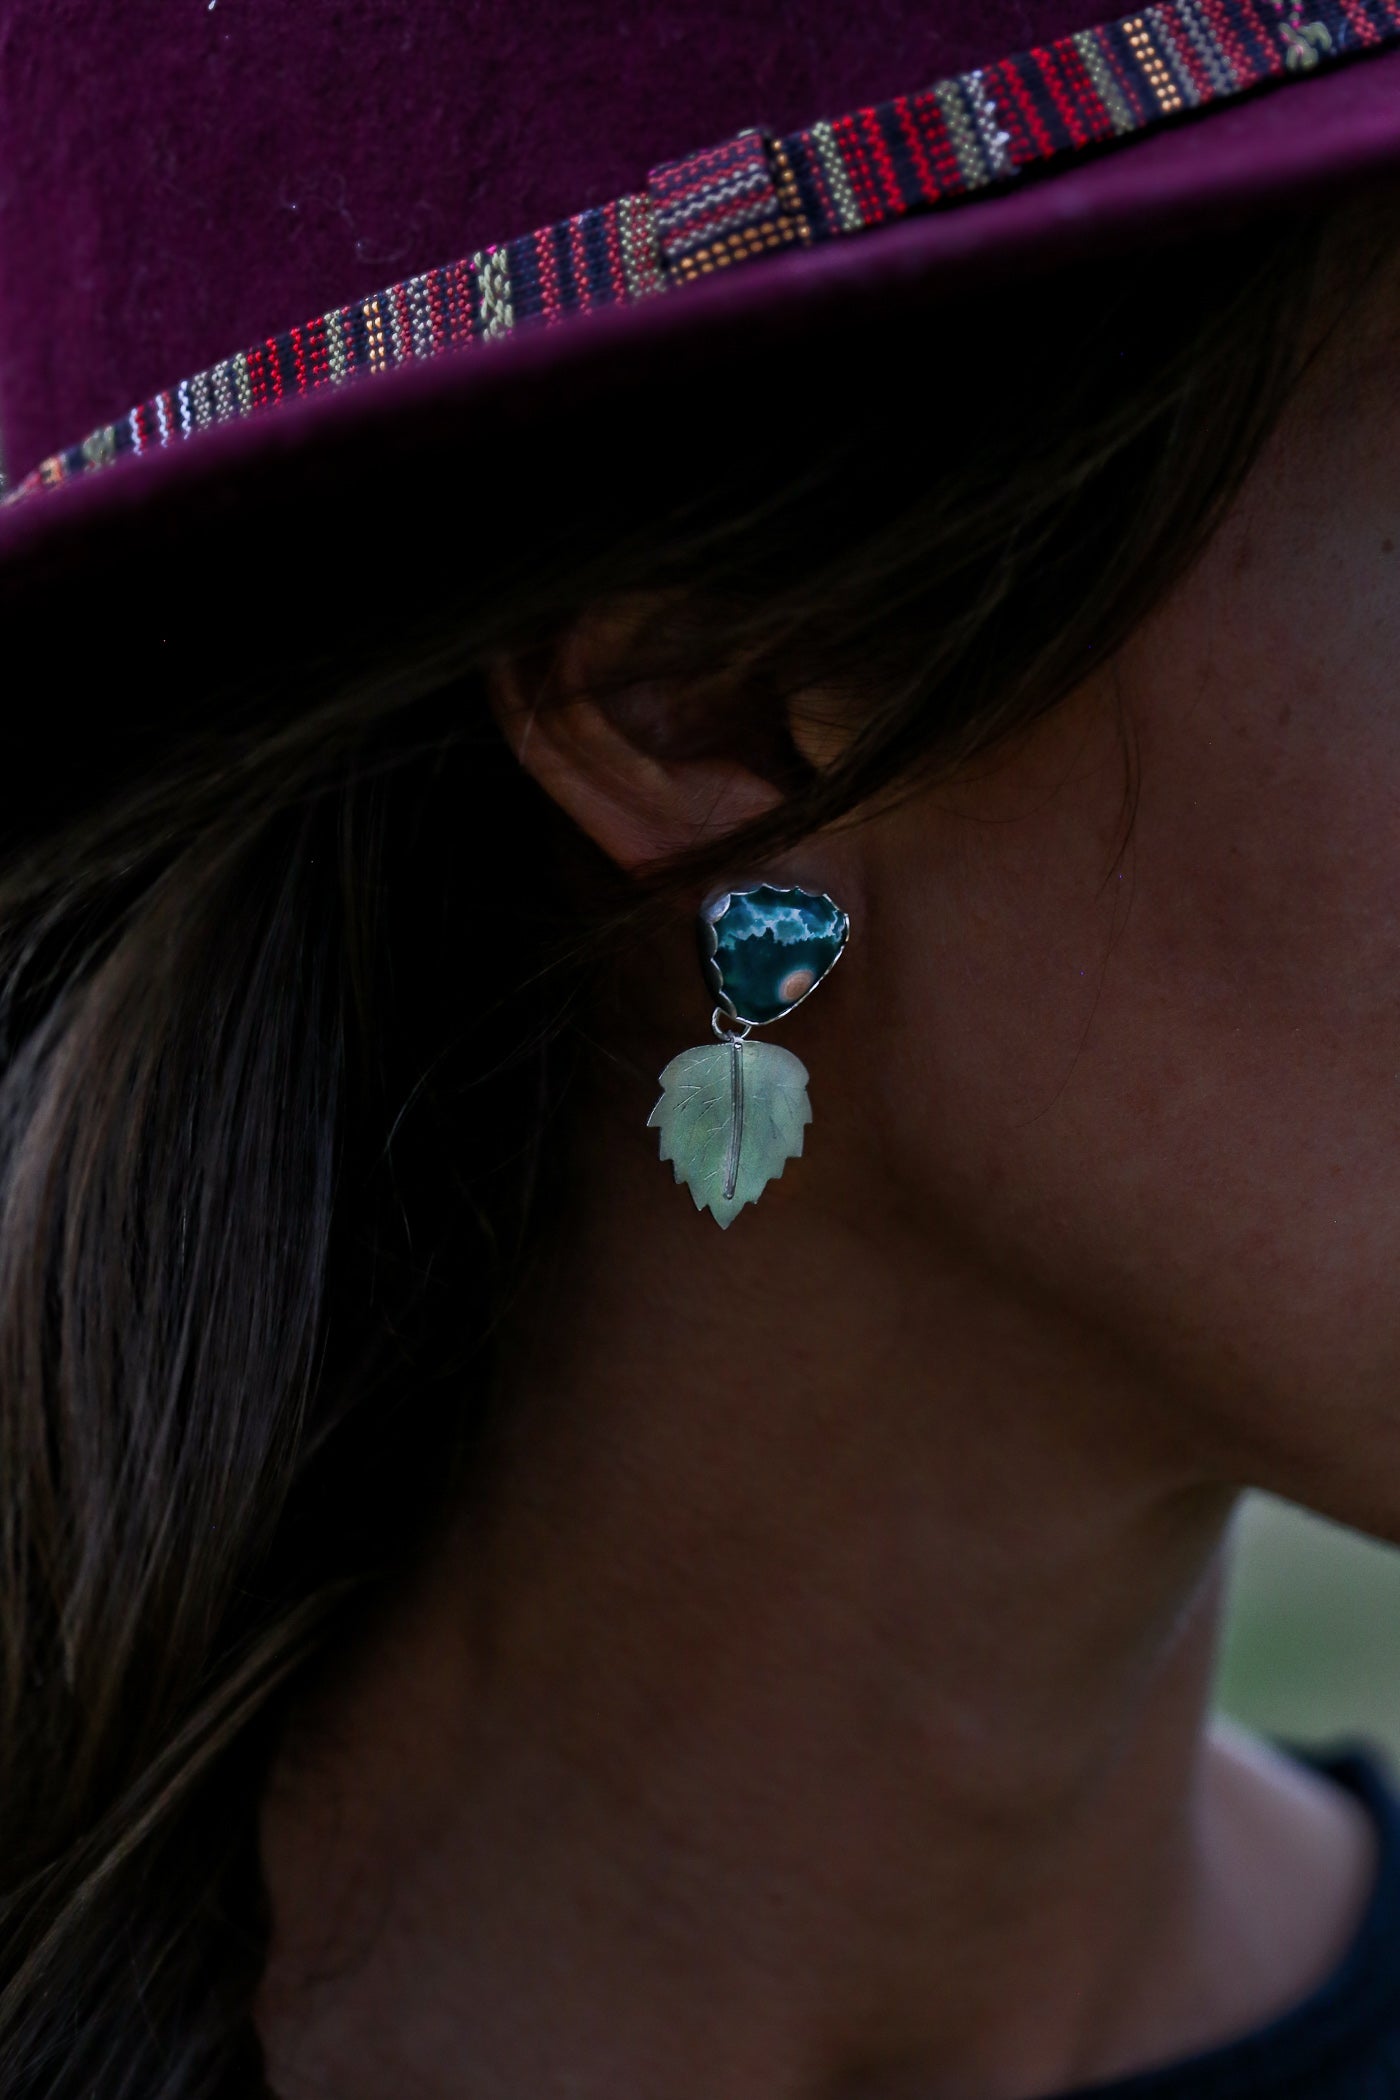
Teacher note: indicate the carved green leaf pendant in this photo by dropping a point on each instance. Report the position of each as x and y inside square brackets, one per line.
[731, 1115]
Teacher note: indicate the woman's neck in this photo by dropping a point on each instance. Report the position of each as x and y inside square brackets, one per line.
[814, 1707]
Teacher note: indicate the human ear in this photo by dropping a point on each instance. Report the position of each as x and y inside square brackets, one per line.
[632, 766]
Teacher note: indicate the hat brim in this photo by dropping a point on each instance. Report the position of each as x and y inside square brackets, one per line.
[246, 549]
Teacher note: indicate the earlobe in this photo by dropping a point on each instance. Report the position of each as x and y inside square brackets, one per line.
[640, 808]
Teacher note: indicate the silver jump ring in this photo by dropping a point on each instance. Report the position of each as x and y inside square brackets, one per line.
[734, 1033]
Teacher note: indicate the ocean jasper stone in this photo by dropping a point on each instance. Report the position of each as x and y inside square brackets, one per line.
[765, 949]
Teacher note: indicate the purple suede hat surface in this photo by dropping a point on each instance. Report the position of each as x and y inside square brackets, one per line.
[505, 221]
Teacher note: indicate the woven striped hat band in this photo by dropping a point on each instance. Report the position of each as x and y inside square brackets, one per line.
[760, 193]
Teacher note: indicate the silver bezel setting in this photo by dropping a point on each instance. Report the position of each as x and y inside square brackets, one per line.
[713, 909]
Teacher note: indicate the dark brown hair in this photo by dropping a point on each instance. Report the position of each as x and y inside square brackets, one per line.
[272, 1149]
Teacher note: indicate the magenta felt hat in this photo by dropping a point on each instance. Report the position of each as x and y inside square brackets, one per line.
[277, 280]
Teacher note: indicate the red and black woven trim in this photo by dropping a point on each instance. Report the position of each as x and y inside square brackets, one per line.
[758, 194]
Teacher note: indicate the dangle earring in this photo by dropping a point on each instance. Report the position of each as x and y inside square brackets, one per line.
[732, 1113]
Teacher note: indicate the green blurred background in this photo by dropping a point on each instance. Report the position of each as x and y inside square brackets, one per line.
[1312, 1638]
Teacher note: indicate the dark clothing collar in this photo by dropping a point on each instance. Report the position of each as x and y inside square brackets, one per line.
[1343, 2041]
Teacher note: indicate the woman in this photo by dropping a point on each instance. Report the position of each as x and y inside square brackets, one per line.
[470, 1624]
